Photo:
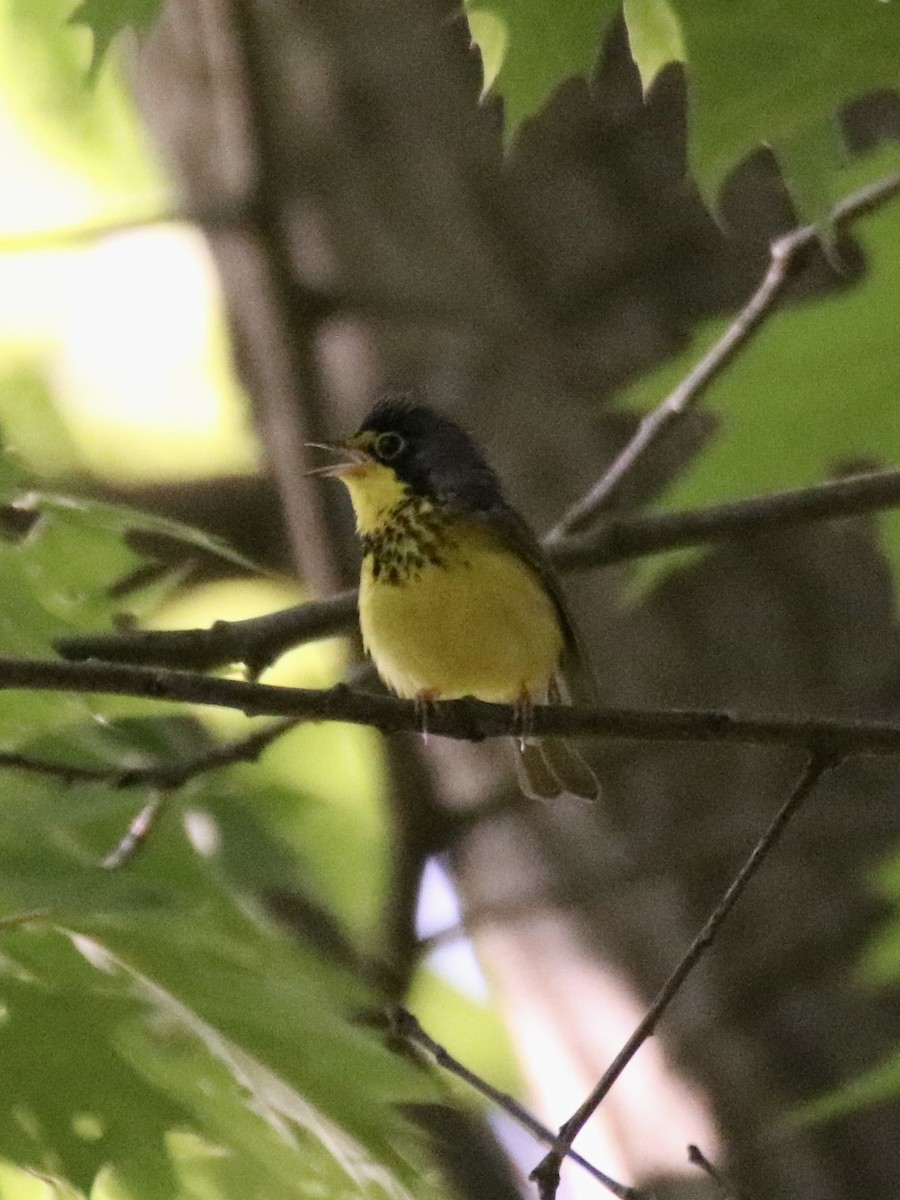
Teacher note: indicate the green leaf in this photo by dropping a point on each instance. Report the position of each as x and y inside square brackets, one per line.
[107, 18]
[80, 512]
[183, 1008]
[531, 47]
[654, 37]
[79, 155]
[102, 1061]
[777, 74]
[162, 1002]
[69, 1095]
[490, 35]
[818, 387]
[758, 73]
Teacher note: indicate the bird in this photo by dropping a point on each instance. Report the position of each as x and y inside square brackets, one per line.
[456, 596]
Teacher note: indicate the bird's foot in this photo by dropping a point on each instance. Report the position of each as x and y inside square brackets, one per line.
[523, 719]
[423, 701]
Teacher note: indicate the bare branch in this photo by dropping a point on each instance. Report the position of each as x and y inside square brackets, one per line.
[748, 322]
[622, 538]
[406, 1026]
[279, 322]
[726, 1188]
[547, 1171]
[464, 720]
[166, 775]
[257, 642]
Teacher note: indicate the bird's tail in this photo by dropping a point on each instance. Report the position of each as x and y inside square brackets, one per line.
[548, 767]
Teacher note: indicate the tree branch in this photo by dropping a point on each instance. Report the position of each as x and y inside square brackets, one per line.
[623, 538]
[407, 1027]
[727, 1190]
[257, 642]
[464, 720]
[749, 320]
[165, 777]
[277, 323]
[165, 774]
[546, 1173]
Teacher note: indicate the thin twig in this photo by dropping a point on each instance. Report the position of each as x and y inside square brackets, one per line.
[464, 720]
[136, 835]
[168, 777]
[406, 1026]
[258, 641]
[223, 214]
[241, 215]
[723, 1183]
[547, 1171]
[749, 320]
[621, 538]
[164, 777]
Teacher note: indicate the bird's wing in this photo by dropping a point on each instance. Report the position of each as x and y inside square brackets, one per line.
[515, 533]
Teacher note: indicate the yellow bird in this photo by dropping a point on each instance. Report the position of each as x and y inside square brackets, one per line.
[456, 596]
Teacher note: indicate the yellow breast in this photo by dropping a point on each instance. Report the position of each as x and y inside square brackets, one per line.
[446, 610]
[474, 620]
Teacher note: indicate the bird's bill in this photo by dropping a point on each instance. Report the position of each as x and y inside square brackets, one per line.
[352, 458]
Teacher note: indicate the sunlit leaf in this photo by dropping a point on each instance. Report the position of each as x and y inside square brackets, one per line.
[769, 74]
[121, 520]
[102, 1061]
[107, 18]
[534, 46]
[654, 37]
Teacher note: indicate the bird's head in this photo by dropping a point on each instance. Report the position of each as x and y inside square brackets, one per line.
[404, 448]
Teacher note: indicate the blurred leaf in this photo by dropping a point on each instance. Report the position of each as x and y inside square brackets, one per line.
[490, 35]
[16, 1184]
[69, 513]
[777, 75]
[162, 999]
[55, 571]
[75, 154]
[60, 1067]
[185, 1010]
[532, 47]
[874, 1087]
[757, 75]
[106, 18]
[654, 36]
[101, 1061]
[29, 418]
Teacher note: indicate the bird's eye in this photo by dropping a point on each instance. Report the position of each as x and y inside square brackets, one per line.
[388, 446]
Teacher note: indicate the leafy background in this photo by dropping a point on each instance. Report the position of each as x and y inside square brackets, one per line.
[161, 1033]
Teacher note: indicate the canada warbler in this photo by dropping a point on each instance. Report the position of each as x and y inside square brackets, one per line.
[456, 596]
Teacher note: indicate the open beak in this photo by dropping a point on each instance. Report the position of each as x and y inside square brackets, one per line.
[352, 457]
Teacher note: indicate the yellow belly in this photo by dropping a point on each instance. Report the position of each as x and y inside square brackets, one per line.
[482, 625]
